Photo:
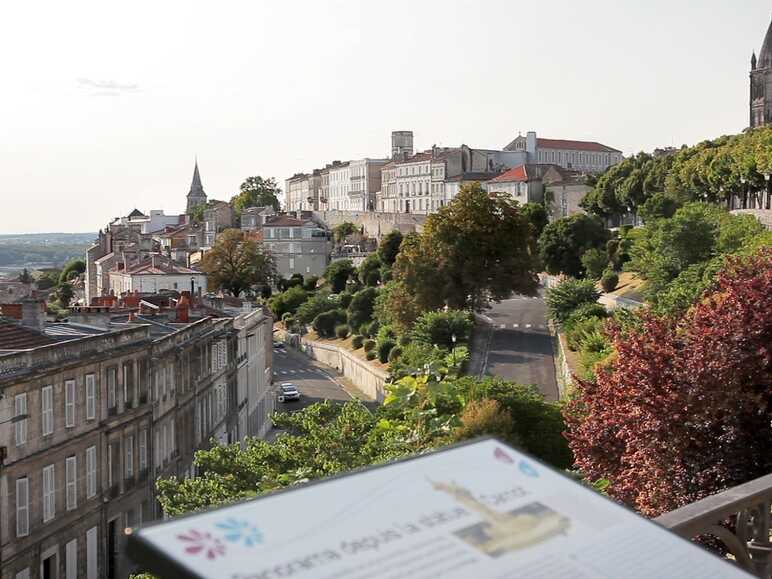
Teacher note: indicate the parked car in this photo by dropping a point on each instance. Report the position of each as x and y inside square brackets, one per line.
[278, 345]
[288, 392]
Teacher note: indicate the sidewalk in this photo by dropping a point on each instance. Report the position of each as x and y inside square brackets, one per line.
[481, 341]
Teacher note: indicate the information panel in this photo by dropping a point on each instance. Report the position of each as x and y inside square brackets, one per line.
[480, 510]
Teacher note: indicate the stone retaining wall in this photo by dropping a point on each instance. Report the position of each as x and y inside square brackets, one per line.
[366, 378]
[376, 224]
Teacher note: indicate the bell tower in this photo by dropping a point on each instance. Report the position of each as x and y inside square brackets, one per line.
[196, 195]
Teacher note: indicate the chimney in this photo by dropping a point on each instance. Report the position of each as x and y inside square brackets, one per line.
[183, 308]
[530, 142]
[33, 313]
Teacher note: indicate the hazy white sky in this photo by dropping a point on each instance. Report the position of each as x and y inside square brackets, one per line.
[103, 106]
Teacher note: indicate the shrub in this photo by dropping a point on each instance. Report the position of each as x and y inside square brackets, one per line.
[360, 310]
[415, 356]
[345, 299]
[395, 353]
[583, 312]
[325, 323]
[286, 316]
[371, 355]
[371, 330]
[594, 261]
[609, 281]
[384, 349]
[440, 327]
[265, 292]
[389, 247]
[386, 332]
[582, 331]
[369, 271]
[310, 284]
[317, 304]
[357, 341]
[568, 295]
[369, 345]
[404, 340]
[485, 417]
[342, 331]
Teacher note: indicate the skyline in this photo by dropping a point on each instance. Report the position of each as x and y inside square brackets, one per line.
[106, 110]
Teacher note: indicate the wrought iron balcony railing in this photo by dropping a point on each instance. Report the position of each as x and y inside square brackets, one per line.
[748, 510]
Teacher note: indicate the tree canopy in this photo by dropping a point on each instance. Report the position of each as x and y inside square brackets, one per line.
[257, 192]
[236, 263]
[564, 241]
[683, 409]
[473, 250]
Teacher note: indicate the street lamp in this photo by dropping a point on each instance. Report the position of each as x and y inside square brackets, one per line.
[743, 180]
[767, 175]
[453, 351]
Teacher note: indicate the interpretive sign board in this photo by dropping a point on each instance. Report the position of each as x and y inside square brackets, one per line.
[479, 510]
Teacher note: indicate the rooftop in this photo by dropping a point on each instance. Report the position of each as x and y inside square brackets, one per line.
[574, 145]
[14, 336]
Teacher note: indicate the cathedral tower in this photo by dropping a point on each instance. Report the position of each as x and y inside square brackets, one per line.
[761, 84]
[196, 196]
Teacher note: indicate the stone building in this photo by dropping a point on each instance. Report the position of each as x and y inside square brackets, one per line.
[761, 84]
[585, 156]
[196, 195]
[154, 273]
[253, 218]
[365, 183]
[218, 216]
[301, 191]
[297, 245]
[88, 424]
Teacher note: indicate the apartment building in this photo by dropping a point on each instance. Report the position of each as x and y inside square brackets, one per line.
[302, 191]
[339, 187]
[584, 156]
[218, 217]
[365, 183]
[88, 424]
[297, 245]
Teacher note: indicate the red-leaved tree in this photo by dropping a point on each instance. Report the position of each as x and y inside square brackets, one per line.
[684, 408]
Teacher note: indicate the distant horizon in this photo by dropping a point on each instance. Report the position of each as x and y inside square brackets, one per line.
[96, 124]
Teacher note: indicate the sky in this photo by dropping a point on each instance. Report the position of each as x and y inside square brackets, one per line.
[104, 106]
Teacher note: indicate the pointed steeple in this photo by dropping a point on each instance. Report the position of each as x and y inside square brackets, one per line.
[765, 56]
[196, 195]
[753, 60]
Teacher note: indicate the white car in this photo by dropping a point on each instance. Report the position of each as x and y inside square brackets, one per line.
[288, 392]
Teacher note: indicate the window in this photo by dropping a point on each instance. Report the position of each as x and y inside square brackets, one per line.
[171, 437]
[292, 263]
[111, 387]
[22, 507]
[157, 450]
[47, 409]
[20, 427]
[142, 450]
[69, 403]
[71, 482]
[164, 440]
[23, 574]
[49, 498]
[130, 457]
[109, 465]
[90, 396]
[91, 472]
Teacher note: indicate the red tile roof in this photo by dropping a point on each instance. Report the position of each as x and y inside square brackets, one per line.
[514, 175]
[574, 145]
[16, 337]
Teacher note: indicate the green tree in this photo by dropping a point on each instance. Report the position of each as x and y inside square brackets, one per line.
[342, 231]
[567, 296]
[441, 327]
[287, 302]
[318, 303]
[236, 263]
[594, 262]
[257, 192]
[360, 310]
[389, 247]
[537, 216]
[370, 270]
[564, 241]
[72, 270]
[660, 205]
[338, 273]
[25, 277]
[395, 305]
[64, 295]
[325, 323]
[473, 250]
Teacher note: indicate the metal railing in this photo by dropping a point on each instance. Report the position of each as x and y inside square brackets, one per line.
[748, 536]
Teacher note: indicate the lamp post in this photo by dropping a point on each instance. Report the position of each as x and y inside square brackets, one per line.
[743, 180]
[767, 175]
[453, 350]
[192, 286]
[15, 419]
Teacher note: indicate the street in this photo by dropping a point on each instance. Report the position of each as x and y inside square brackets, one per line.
[520, 347]
[314, 383]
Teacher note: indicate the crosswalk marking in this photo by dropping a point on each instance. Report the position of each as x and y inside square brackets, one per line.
[515, 325]
[503, 326]
[528, 325]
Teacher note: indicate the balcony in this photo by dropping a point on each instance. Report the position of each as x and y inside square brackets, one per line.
[112, 410]
[113, 491]
[748, 510]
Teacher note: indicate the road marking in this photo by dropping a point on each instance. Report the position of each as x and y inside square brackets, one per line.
[528, 325]
[502, 326]
[282, 372]
[515, 325]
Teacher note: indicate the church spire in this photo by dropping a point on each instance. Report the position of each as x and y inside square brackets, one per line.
[196, 195]
[765, 56]
[753, 60]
